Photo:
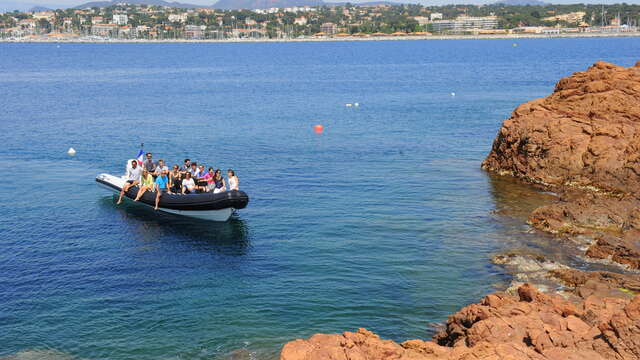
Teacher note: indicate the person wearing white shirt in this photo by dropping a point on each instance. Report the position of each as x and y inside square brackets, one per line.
[160, 168]
[188, 185]
[133, 175]
[234, 183]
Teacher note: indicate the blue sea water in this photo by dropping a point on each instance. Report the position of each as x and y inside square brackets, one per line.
[384, 221]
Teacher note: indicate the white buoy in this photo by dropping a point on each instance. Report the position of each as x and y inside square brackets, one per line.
[356, 104]
[71, 151]
[453, 94]
[348, 105]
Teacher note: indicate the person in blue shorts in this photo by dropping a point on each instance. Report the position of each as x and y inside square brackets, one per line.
[162, 186]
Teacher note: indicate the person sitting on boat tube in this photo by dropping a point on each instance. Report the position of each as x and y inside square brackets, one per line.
[175, 179]
[162, 186]
[146, 184]
[207, 180]
[199, 178]
[219, 183]
[133, 178]
[234, 183]
[188, 185]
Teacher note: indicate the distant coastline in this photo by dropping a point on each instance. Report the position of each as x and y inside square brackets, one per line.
[324, 39]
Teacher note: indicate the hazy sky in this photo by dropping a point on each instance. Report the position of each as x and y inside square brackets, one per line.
[19, 4]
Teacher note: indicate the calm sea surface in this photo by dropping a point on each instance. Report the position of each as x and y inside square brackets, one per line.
[385, 221]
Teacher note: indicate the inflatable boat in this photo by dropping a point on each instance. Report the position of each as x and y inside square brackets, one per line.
[206, 206]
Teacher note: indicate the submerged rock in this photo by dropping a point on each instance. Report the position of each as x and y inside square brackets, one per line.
[627, 283]
[528, 268]
[40, 354]
[240, 354]
[611, 224]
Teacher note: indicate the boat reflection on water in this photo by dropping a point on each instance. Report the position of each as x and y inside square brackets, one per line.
[229, 238]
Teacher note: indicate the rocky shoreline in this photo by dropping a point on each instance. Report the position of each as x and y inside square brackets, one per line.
[583, 143]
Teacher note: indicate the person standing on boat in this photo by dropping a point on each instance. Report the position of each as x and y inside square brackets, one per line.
[148, 164]
[234, 183]
[162, 186]
[133, 175]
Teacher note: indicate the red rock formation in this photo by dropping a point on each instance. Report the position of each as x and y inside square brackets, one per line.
[532, 325]
[587, 133]
[587, 213]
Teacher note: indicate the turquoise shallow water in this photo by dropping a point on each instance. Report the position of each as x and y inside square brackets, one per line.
[385, 221]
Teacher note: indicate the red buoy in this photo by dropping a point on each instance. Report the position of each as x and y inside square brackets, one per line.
[318, 129]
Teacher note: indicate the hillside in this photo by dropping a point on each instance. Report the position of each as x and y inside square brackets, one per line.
[221, 4]
[522, 2]
[174, 4]
[264, 4]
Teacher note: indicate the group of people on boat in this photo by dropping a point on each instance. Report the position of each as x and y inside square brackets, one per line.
[190, 178]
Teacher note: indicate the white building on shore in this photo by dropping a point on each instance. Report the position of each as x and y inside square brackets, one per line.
[181, 18]
[107, 30]
[120, 19]
[46, 15]
[435, 16]
[465, 23]
[194, 32]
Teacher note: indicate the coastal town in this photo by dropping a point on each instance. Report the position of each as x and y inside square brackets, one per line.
[150, 22]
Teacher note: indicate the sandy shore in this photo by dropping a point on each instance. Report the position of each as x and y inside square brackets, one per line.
[73, 39]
